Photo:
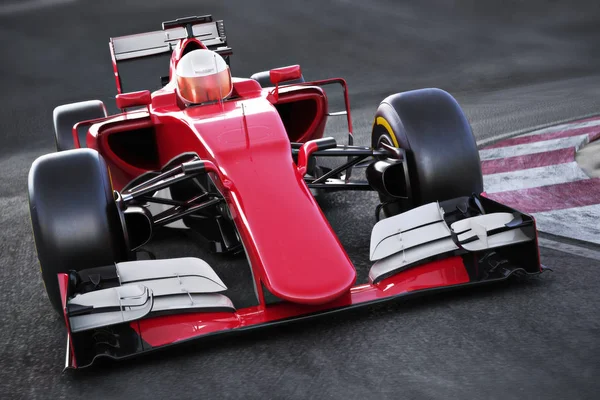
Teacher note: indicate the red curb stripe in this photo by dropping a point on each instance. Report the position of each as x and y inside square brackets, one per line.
[592, 131]
[553, 197]
[527, 161]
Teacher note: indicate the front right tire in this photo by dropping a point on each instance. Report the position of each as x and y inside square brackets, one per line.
[74, 216]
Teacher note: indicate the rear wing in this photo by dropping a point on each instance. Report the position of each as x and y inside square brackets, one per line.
[159, 45]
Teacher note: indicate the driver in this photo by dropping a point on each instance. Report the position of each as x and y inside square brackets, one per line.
[203, 76]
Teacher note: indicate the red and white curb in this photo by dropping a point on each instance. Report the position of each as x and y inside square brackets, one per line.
[537, 173]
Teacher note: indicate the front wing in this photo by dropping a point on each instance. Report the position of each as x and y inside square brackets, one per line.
[136, 307]
[133, 338]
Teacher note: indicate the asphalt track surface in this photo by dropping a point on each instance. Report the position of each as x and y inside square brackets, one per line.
[513, 66]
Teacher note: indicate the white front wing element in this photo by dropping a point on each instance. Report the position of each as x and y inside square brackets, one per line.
[406, 239]
[122, 304]
[404, 259]
[192, 302]
[480, 226]
[389, 235]
[149, 288]
[171, 275]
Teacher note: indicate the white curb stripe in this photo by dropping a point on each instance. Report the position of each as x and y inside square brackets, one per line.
[564, 127]
[572, 222]
[533, 177]
[534, 148]
[569, 248]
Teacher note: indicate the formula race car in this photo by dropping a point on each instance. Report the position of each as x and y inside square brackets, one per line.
[238, 163]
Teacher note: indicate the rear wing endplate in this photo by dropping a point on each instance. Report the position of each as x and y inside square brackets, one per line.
[211, 33]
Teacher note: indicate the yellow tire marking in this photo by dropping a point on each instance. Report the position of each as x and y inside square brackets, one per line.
[383, 122]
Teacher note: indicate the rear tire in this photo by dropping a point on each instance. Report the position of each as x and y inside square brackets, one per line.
[75, 220]
[67, 115]
[442, 156]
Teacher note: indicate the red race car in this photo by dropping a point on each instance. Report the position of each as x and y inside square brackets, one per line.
[239, 161]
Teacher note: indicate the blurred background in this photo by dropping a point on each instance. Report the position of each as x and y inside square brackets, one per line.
[56, 51]
[513, 65]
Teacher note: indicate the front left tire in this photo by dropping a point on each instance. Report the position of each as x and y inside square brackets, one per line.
[441, 151]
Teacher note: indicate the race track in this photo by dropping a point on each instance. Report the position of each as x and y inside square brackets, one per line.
[514, 66]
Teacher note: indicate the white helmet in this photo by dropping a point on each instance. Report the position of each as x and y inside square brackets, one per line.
[203, 75]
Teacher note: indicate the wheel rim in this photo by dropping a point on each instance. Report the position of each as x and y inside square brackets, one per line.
[384, 139]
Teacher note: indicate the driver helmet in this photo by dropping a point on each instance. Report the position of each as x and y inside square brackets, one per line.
[203, 76]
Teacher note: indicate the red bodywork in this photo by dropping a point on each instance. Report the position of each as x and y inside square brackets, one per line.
[290, 245]
[246, 140]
